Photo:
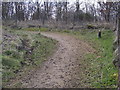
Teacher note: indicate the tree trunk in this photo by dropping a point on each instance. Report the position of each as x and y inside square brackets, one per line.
[118, 35]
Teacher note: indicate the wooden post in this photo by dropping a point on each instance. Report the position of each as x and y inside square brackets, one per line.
[99, 34]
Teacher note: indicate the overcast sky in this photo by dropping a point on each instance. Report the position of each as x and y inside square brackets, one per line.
[71, 1]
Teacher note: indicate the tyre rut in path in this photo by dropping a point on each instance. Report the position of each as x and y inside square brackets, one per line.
[62, 70]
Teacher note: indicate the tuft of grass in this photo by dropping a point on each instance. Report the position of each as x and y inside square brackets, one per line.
[10, 66]
[10, 62]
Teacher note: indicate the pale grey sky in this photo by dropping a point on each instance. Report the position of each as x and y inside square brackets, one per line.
[71, 1]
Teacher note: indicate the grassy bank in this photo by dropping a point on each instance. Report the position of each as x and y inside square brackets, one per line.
[100, 71]
[17, 62]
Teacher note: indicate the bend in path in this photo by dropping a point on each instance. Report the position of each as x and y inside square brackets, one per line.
[62, 70]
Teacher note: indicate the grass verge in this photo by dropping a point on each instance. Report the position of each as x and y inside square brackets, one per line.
[100, 71]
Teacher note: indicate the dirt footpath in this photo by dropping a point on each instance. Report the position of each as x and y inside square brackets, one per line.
[62, 70]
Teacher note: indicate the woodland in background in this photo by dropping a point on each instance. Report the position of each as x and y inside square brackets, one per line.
[59, 14]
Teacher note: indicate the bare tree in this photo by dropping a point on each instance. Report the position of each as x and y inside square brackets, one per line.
[106, 9]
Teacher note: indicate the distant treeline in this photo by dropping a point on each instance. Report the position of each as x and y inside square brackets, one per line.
[64, 12]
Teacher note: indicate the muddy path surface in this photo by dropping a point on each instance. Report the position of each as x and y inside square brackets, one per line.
[62, 70]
